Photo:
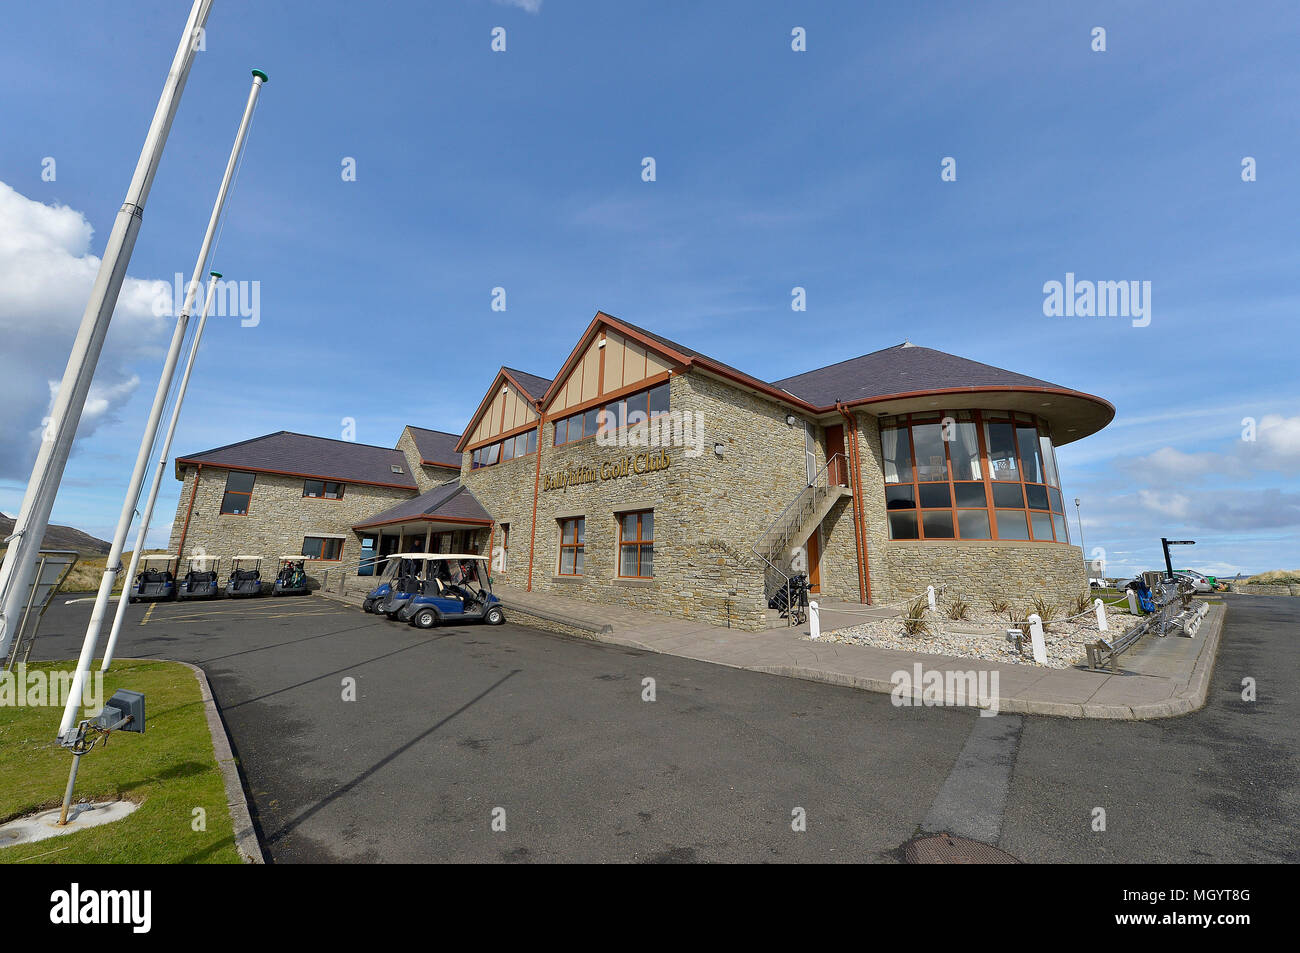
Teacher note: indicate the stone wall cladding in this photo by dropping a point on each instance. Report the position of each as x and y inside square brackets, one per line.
[506, 491]
[708, 510]
[426, 477]
[278, 518]
[981, 570]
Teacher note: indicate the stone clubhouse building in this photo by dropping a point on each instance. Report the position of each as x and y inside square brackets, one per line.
[646, 474]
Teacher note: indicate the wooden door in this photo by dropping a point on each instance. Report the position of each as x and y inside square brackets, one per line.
[814, 562]
[838, 473]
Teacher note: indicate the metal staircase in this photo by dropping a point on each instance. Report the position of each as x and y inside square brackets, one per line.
[797, 522]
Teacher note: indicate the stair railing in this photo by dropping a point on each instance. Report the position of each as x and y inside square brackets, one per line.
[777, 537]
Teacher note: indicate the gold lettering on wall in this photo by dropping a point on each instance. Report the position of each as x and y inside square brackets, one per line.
[630, 465]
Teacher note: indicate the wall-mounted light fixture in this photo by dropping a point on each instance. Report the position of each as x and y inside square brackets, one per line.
[791, 420]
[717, 449]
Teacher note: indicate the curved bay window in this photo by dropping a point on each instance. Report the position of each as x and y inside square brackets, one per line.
[970, 474]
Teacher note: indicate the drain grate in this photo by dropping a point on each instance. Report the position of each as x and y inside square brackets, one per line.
[951, 849]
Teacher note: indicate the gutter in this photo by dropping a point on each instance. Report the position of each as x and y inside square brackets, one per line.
[180, 548]
[859, 516]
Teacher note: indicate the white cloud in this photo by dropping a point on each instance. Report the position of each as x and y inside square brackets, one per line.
[46, 272]
[1276, 445]
[1169, 464]
[1176, 505]
[532, 6]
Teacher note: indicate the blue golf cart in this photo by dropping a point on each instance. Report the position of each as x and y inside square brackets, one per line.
[405, 577]
[458, 589]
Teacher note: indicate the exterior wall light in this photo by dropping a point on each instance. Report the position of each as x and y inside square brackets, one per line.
[717, 449]
[791, 420]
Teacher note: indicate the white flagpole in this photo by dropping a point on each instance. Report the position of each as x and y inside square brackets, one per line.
[19, 566]
[114, 564]
[147, 513]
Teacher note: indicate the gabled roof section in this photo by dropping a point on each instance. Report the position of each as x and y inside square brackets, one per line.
[436, 447]
[509, 404]
[449, 503]
[678, 355]
[297, 454]
[532, 385]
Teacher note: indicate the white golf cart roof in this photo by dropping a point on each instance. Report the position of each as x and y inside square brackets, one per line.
[246, 559]
[158, 557]
[430, 557]
[295, 558]
[191, 560]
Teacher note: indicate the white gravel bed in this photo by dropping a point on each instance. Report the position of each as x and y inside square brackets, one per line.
[983, 636]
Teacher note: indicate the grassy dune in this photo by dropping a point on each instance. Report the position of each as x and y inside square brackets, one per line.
[87, 572]
[1276, 577]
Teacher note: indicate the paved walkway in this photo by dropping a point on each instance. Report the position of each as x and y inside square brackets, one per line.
[1160, 678]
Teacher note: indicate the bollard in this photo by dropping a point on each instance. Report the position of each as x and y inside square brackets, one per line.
[1101, 616]
[814, 620]
[929, 596]
[1133, 606]
[1036, 639]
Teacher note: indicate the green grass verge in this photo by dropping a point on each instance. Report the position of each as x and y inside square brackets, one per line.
[169, 771]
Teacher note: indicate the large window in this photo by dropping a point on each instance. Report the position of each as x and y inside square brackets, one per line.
[520, 445]
[322, 490]
[328, 548]
[573, 544]
[624, 412]
[971, 475]
[239, 492]
[636, 545]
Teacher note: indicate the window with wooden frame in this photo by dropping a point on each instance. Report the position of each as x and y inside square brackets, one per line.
[615, 415]
[520, 445]
[238, 494]
[573, 545]
[324, 548]
[971, 475]
[636, 545]
[322, 490]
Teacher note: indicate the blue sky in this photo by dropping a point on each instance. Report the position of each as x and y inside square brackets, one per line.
[775, 169]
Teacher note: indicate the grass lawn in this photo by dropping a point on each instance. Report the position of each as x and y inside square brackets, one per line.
[169, 770]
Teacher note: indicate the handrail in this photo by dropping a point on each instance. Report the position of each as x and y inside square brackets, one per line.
[812, 485]
[778, 531]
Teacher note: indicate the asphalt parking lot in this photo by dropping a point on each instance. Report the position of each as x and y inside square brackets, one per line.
[451, 728]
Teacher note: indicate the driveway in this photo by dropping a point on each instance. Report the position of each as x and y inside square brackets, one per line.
[451, 728]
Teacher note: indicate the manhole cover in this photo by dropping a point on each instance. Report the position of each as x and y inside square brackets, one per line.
[951, 849]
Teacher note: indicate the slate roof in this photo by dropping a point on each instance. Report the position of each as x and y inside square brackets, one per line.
[903, 369]
[436, 446]
[300, 454]
[452, 502]
[534, 385]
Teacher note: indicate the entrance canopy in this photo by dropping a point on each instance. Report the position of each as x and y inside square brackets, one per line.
[450, 506]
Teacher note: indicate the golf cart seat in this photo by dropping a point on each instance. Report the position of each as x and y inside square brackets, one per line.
[246, 575]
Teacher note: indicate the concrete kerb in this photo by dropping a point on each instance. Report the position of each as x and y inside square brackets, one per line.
[1188, 698]
[240, 817]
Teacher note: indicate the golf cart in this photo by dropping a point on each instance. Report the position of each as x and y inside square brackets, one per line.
[245, 577]
[460, 590]
[291, 580]
[405, 576]
[392, 565]
[156, 578]
[200, 580]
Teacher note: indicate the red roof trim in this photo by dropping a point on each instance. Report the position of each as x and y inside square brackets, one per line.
[332, 477]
